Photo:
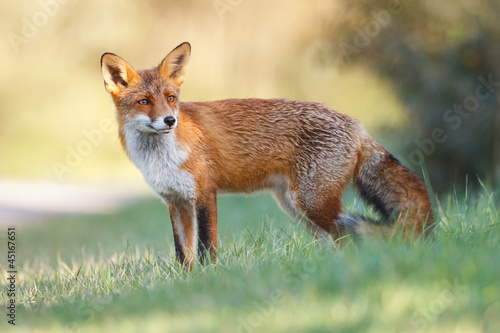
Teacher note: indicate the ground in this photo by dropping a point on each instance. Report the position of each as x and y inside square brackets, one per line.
[116, 272]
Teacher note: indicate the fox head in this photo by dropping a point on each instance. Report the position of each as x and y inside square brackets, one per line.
[147, 100]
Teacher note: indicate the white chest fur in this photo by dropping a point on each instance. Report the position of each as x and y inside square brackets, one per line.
[159, 157]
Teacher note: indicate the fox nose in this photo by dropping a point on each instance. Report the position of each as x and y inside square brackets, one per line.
[169, 121]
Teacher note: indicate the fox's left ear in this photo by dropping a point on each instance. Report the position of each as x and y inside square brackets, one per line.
[175, 64]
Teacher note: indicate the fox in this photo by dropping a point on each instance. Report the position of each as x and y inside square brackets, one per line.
[303, 152]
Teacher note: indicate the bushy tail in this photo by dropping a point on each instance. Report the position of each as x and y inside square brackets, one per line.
[397, 194]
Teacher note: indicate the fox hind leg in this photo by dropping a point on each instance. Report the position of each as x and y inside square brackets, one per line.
[320, 198]
[287, 199]
[289, 206]
[326, 214]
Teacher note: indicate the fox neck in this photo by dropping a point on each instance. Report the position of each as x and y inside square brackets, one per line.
[160, 158]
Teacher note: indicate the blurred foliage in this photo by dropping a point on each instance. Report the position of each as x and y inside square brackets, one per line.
[372, 60]
[437, 54]
[52, 94]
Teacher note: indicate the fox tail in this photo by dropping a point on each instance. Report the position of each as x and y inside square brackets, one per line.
[395, 192]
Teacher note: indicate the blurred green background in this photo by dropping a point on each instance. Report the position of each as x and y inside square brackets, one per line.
[397, 66]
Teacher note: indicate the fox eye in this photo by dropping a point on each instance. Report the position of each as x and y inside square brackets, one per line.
[171, 98]
[144, 101]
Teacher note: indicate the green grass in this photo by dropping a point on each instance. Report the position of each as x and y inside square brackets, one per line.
[117, 273]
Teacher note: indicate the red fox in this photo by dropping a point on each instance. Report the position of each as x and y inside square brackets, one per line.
[304, 152]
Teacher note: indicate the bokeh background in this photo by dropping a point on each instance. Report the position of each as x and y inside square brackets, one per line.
[409, 70]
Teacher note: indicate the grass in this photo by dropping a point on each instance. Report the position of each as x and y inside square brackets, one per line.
[116, 273]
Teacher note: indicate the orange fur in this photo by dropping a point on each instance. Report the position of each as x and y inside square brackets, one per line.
[304, 152]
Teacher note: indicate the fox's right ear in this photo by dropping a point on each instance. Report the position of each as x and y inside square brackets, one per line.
[117, 73]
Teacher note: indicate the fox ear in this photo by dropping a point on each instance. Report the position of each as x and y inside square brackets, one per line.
[175, 64]
[117, 73]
